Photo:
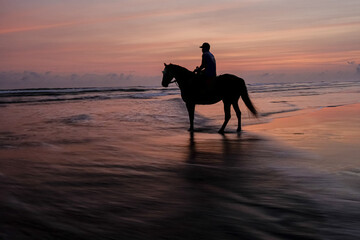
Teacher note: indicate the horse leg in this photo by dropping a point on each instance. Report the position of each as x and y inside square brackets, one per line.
[191, 110]
[227, 111]
[238, 114]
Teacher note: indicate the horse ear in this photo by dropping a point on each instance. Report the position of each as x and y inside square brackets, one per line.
[165, 64]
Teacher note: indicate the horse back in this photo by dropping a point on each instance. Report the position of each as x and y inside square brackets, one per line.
[229, 78]
[229, 83]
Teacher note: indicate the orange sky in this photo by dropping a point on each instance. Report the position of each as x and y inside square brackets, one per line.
[251, 37]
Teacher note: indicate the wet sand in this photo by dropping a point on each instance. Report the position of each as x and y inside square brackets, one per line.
[93, 181]
[331, 135]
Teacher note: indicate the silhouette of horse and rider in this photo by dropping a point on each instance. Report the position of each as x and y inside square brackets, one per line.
[203, 86]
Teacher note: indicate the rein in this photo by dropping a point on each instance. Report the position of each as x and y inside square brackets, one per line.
[174, 81]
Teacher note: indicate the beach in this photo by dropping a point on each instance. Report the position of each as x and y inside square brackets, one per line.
[126, 168]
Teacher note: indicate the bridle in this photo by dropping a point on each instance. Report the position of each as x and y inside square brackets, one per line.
[172, 81]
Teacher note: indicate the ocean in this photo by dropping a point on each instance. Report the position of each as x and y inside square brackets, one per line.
[118, 163]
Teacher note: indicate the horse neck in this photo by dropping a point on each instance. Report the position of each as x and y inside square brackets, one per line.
[182, 75]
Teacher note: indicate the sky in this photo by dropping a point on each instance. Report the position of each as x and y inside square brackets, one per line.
[55, 43]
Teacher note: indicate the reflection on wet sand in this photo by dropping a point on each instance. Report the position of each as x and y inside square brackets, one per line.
[232, 195]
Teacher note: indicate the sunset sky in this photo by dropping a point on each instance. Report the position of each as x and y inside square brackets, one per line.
[270, 39]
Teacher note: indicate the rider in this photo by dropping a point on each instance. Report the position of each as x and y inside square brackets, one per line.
[207, 70]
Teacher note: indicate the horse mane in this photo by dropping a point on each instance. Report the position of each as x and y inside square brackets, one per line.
[179, 69]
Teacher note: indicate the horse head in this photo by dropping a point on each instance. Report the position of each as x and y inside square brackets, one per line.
[167, 75]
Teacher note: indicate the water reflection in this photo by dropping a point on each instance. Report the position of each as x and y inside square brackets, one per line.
[233, 195]
[224, 150]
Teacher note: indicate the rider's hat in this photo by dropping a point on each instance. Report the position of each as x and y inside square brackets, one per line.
[205, 45]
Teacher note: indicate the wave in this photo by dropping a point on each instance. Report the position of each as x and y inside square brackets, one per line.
[41, 95]
[300, 87]
[67, 91]
[265, 114]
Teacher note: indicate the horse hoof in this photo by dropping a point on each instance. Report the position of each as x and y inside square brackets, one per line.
[239, 130]
[221, 131]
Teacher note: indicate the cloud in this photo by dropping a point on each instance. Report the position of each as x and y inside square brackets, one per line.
[351, 62]
[35, 28]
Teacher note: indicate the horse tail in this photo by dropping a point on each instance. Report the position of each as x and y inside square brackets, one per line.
[245, 97]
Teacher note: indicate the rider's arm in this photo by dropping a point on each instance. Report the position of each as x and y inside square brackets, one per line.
[202, 66]
[202, 63]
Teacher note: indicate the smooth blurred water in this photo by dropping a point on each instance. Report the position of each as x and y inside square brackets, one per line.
[119, 164]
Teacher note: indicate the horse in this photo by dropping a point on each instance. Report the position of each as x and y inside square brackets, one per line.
[226, 88]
